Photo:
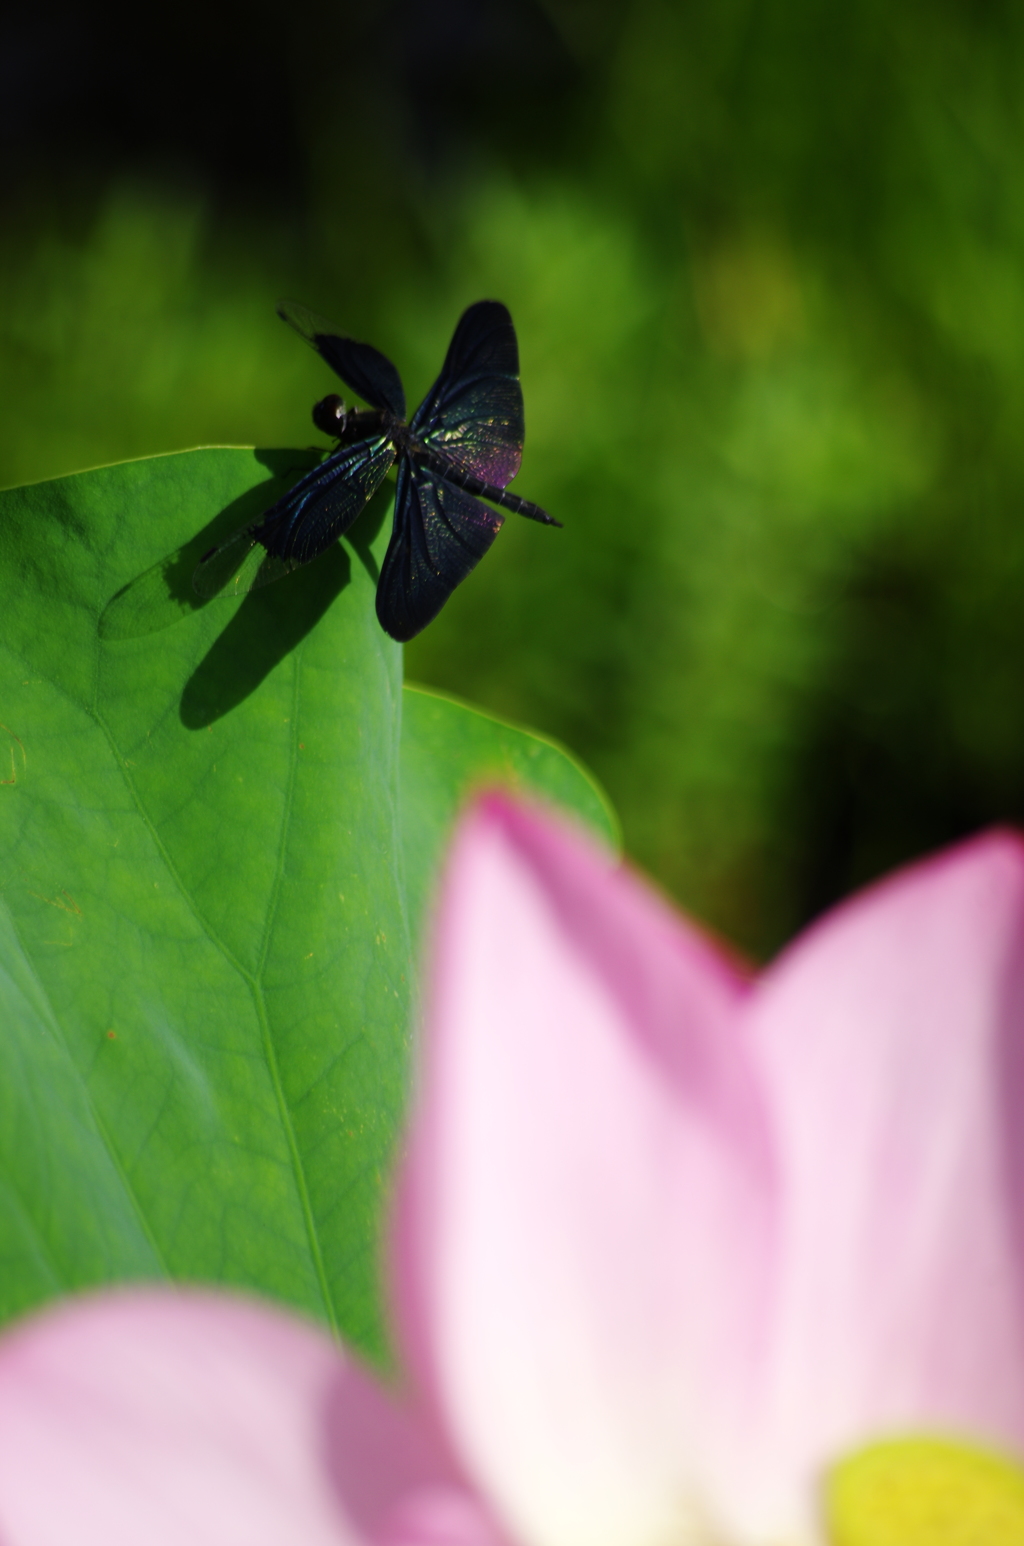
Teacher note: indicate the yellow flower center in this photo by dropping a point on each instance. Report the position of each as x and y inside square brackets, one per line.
[925, 1492]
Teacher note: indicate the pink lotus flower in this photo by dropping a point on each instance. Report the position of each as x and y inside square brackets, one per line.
[668, 1242]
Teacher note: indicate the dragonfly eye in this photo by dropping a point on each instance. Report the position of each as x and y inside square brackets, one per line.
[330, 414]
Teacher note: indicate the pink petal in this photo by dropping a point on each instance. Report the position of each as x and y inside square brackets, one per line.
[583, 1233]
[162, 1417]
[891, 1044]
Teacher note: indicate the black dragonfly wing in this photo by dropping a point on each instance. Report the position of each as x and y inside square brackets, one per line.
[439, 535]
[369, 373]
[473, 414]
[301, 525]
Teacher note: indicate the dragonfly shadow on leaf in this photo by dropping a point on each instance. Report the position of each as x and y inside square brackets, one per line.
[164, 594]
[272, 621]
[265, 628]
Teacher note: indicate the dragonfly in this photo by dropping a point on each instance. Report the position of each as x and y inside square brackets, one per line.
[463, 446]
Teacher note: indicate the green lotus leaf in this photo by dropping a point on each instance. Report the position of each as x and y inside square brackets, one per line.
[217, 842]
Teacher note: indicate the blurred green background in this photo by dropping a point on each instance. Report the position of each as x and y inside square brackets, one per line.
[766, 262]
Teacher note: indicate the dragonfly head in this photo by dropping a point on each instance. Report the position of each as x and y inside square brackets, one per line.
[330, 415]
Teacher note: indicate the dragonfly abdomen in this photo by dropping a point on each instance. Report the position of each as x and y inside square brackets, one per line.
[451, 473]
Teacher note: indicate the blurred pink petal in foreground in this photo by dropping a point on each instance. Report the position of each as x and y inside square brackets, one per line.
[667, 1242]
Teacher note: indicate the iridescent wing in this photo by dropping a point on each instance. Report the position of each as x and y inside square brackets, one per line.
[369, 373]
[473, 414]
[301, 525]
[439, 536]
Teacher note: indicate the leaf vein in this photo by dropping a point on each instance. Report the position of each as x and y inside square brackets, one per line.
[270, 1049]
